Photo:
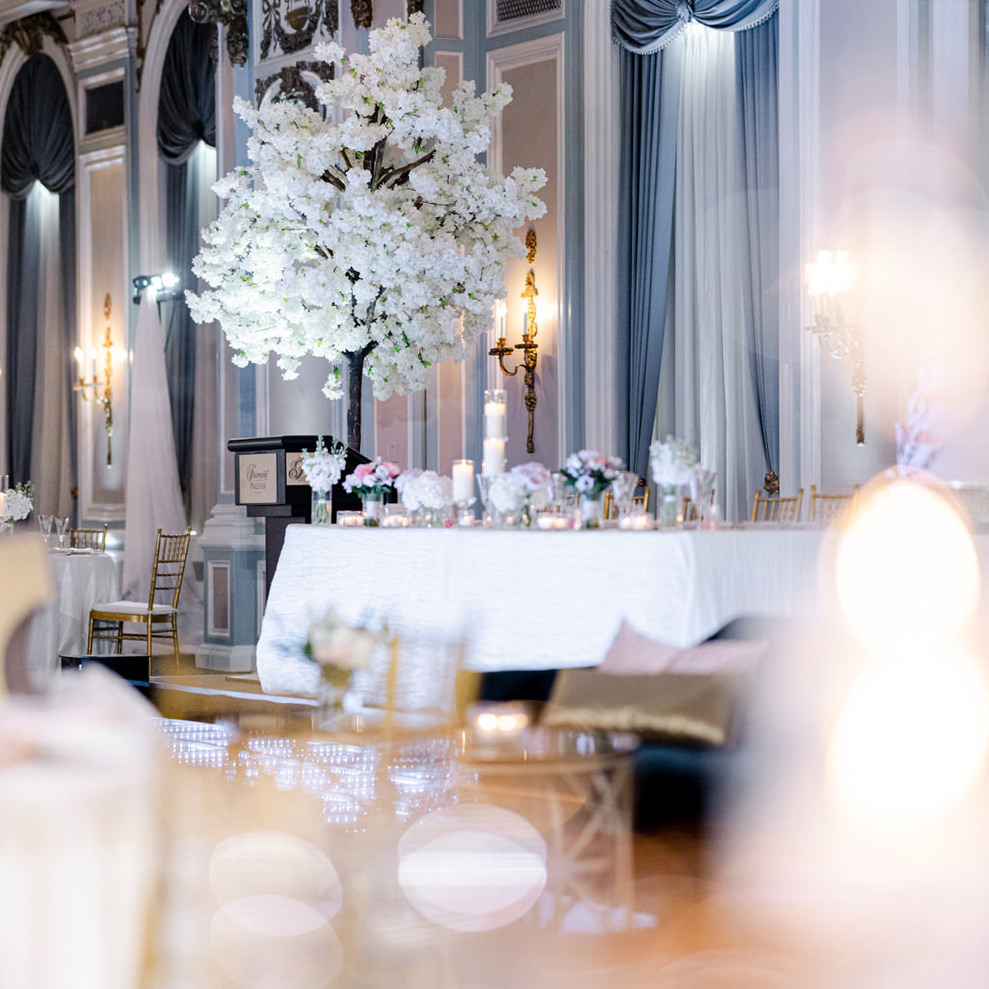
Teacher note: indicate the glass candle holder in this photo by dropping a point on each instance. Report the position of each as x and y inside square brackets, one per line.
[495, 438]
[463, 491]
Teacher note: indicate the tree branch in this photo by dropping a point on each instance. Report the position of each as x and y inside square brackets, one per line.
[398, 176]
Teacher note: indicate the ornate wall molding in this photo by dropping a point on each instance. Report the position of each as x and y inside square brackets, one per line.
[293, 84]
[286, 31]
[232, 14]
[29, 34]
[96, 19]
[363, 12]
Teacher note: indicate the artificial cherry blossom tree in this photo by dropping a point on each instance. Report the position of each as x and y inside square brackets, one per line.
[369, 233]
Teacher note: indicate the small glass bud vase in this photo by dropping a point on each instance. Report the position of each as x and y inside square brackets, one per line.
[373, 508]
[322, 507]
[591, 512]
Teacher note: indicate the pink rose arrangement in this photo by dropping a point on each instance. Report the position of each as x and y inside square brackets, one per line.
[375, 478]
[536, 483]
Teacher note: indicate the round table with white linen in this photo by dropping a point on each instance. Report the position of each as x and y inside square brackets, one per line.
[80, 579]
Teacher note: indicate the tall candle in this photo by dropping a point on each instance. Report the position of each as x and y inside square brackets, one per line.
[463, 480]
[494, 457]
[494, 420]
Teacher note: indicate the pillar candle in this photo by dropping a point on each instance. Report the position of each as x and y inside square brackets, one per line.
[463, 480]
[494, 420]
[494, 457]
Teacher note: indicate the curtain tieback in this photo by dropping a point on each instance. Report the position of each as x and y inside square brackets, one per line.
[685, 11]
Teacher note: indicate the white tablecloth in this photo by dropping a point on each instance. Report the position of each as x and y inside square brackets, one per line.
[80, 580]
[528, 599]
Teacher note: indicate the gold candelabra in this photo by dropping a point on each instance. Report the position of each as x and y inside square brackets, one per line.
[94, 390]
[528, 346]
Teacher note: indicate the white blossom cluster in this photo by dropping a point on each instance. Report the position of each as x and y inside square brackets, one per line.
[672, 461]
[375, 230]
[324, 466]
[427, 489]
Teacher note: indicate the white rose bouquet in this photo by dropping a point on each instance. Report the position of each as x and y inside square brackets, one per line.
[18, 503]
[506, 493]
[536, 483]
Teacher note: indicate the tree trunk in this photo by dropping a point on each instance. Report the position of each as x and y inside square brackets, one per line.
[355, 384]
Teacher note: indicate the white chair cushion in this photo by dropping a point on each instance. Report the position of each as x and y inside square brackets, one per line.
[133, 608]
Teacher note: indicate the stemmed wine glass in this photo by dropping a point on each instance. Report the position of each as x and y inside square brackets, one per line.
[45, 525]
[61, 524]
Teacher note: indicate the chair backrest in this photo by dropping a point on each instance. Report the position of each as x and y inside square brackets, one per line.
[828, 508]
[169, 566]
[610, 510]
[771, 508]
[641, 497]
[88, 539]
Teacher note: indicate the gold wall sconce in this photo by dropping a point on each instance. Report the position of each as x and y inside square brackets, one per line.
[828, 279]
[528, 346]
[95, 390]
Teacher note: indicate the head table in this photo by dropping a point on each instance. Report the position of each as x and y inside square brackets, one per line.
[526, 599]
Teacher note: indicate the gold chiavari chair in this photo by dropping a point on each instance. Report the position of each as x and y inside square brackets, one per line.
[94, 539]
[771, 508]
[640, 498]
[159, 618]
[690, 513]
[828, 508]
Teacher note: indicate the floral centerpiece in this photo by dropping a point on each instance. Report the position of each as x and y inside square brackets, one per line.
[590, 474]
[673, 462]
[366, 232]
[322, 469]
[505, 496]
[338, 650]
[18, 503]
[534, 484]
[372, 482]
[428, 493]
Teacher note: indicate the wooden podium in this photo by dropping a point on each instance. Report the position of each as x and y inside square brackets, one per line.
[270, 484]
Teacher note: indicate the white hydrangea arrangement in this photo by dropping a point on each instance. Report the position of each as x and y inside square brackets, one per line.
[427, 489]
[373, 235]
[506, 493]
[672, 461]
[324, 466]
[18, 503]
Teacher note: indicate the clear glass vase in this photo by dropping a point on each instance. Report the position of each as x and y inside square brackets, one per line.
[373, 508]
[669, 514]
[591, 512]
[322, 507]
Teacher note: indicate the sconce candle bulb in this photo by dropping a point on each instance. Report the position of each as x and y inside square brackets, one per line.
[95, 390]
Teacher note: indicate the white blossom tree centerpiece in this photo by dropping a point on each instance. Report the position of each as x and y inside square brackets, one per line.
[369, 233]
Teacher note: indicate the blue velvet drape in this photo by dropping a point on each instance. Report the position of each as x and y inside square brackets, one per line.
[37, 146]
[651, 70]
[186, 116]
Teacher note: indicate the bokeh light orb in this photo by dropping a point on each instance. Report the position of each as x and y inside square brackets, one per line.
[475, 867]
[907, 572]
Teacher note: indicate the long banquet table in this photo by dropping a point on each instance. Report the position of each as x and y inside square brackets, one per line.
[532, 600]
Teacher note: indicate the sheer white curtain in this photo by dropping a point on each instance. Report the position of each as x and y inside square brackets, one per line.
[706, 393]
[50, 454]
[204, 478]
